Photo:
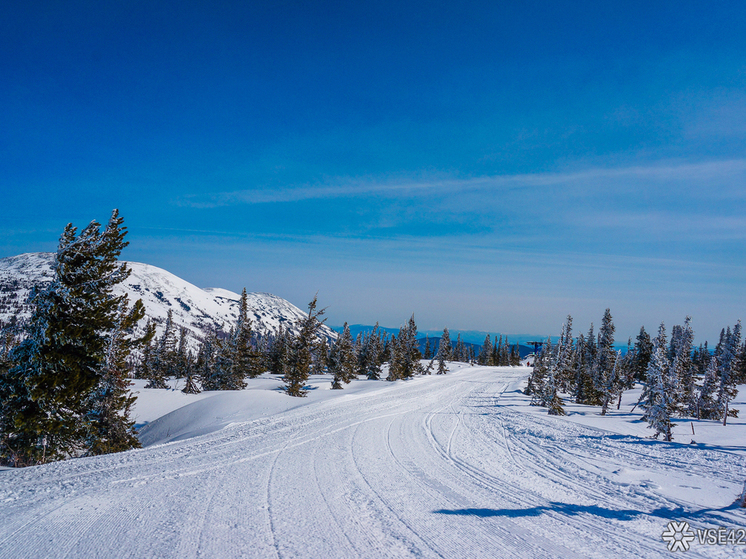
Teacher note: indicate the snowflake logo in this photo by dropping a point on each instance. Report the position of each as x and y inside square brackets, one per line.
[677, 536]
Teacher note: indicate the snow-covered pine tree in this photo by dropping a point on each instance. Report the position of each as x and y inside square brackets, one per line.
[445, 349]
[405, 353]
[164, 355]
[321, 358]
[682, 366]
[727, 353]
[428, 349]
[658, 398]
[374, 351]
[460, 353]
[342, 359]
[48, 392]
[190, 377]
[110, 428]
[586, 387]
[246, 361]
[613, 384]
[183, 357]
[643, 353]
[442, 367]
[550, 396]
[605, 360]
[579, 367]
[514, 355]
[206, 361]
[706, 404]
[300, 357]
[278, 351]
[566, 358]
[395, 358]
[485, 354]
[537, 381]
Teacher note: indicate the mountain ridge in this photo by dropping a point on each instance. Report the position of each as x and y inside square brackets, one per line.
[199, 310]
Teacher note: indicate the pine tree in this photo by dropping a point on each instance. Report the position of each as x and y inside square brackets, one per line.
[374, 352]
[566, 358]
[428, 349]
[405, 353]
[246, 360]
[485, 354]
[278, 351]
[445, 350]
[536, 386]
[110, 428]
[49, 393]
[550, 398]
[164, 356]
[460, 353]
[706, 405]
[300, 357]
[643, 353]
[183, 357]
[206, 360]
[727, 352]
[190, 378]
[342, 359]
[321, 357]
[658, 399]
[683, 368]
[442, 368]
[585, 380]
[605, 361]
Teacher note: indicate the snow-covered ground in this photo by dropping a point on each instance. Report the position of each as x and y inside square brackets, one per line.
[438, 466]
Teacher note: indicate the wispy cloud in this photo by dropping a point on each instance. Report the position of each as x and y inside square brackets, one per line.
[705, 175]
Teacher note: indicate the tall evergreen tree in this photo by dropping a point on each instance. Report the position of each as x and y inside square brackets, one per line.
[460, 353]
[643, 352]
[48, 395]
[405, 353]
[164, 355]
[428, 349]
[374, 352]
[658, 399]
[445, 349]
[305, 344]
[727, 354]
[246, 360]
[683, 368]
[110, 428]
[342, 359]
[605, 360]
[485, 354]
[706, 404]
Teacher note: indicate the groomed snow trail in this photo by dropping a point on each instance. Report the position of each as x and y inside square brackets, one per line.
[442, 466]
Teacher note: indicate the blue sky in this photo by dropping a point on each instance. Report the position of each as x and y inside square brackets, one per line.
[487, 166]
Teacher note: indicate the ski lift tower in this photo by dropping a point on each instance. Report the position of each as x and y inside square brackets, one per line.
[537, 346]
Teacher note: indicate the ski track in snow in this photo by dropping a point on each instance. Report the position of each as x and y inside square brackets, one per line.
[441, 466]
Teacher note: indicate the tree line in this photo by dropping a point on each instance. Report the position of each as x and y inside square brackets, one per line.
[679, 380]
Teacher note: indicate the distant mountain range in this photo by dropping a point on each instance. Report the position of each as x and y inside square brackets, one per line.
[198, 310]
[470, 337]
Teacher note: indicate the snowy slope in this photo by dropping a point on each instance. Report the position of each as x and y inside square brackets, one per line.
[194, 308]
[440, 466]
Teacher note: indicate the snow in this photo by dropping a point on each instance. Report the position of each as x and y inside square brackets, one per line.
[457, 465]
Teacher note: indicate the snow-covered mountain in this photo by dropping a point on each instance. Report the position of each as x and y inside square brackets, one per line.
[196, 309]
